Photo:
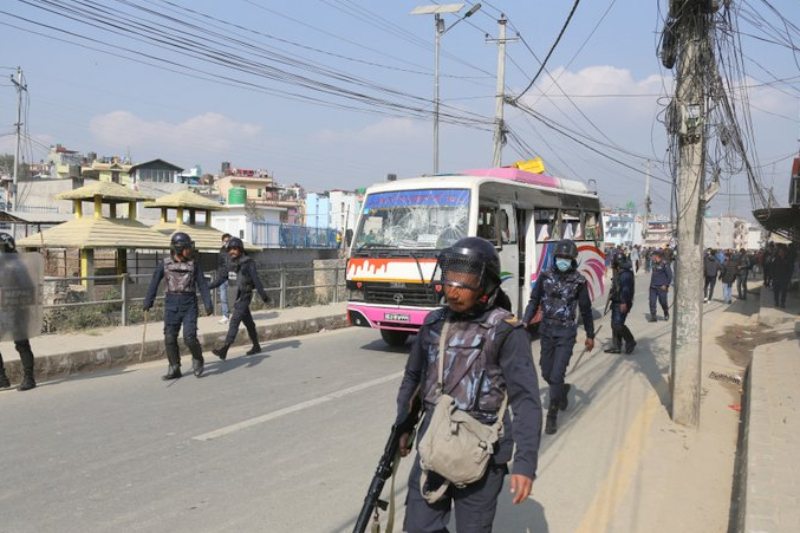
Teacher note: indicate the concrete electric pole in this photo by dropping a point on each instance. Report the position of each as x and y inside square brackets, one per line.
[499, 133]
[647, 205]
[20, 87]
[686, 349]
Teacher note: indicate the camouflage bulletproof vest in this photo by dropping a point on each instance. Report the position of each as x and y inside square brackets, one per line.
[180, 276]
[560, 298]
[472, 373]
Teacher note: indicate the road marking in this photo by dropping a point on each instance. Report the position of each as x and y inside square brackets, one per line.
[622, 472]
[295, 408]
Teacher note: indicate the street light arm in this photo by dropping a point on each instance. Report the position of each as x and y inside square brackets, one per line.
[474, 9]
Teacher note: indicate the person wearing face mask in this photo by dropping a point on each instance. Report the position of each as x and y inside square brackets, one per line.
[559, 292]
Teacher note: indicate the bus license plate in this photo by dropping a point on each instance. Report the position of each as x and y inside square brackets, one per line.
[396, 317]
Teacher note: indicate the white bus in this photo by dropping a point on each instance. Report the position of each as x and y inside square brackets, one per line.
[406, 223]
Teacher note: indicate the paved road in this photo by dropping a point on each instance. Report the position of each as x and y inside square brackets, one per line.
[287, 441]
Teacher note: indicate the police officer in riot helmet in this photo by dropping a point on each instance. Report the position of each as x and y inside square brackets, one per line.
[487, 356]
[621, 297]
[559, 292]
[241, 271]
[17, 272]
[184, 277]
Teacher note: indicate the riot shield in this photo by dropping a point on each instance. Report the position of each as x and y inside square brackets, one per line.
[21, 277]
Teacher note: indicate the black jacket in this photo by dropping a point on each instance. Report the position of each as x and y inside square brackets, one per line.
[711, 267]
[245, 273]
[729, 271]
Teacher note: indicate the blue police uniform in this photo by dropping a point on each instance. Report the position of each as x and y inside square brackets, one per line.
[622, 291]
[661, 276]
[487, 353]
[180, 309]
[559, 294]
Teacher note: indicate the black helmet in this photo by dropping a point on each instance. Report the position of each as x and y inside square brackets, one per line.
[7, 243]
[618, 259]
[180, 242]
[566, 248]
[476, 261]
[235, 242]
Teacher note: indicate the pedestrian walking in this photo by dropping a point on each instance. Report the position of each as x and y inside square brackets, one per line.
[769, 260]
[742, 272]
[470, 359]
[12, 270]
[660, 281]
[728, 276]
[635, 259]
[782, 268]
[711, 270]
[648, 260]
[222, 265]
[242, 271]
[621, 297]
[183, 279]
[560, 291]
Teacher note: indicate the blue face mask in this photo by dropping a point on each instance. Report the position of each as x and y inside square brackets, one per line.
[563, 264]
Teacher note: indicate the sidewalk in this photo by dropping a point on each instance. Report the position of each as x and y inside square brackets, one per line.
[770, 472]
[71, 353]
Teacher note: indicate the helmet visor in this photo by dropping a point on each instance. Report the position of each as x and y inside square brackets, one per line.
[462, 271]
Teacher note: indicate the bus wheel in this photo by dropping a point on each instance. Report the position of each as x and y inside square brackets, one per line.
[393, 337]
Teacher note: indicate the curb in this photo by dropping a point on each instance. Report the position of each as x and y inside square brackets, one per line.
[79, 361]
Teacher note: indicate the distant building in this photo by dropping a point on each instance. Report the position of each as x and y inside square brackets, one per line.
[318, 210]
[112, 170]
[256, 225]
[725, 232]
[755, 237]
[155, 171]
[191, 176]
[63, 163]
[261, 190]
[660, 233]
[622, 227]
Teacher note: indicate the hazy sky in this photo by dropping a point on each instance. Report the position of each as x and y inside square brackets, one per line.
[337, 93]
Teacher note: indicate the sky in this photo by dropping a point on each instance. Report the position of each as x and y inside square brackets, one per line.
[336, 94]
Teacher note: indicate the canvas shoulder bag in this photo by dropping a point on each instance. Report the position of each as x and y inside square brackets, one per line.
[456, 446]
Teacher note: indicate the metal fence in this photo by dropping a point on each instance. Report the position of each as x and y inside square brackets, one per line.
[77, 303]
[269, 235]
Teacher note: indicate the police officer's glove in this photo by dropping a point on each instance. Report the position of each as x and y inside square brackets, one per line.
[266, 299]
[209, 311]
[146, 308]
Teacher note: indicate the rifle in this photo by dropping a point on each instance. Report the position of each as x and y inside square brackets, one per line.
[387, 466]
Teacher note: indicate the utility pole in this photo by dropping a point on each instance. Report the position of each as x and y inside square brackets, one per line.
[20, 87]
[438, 10]
[499, 133]
[686, 347]
[647, 203]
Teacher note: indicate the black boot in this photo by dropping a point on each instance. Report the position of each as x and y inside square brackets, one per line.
[616, 343]
[564, 403]
[222, 353]
[196, 350]
[4, 383]
[630, 342]
[28, 382]
[254, 350]
[173, 358]
[173, 372]
[551, 426]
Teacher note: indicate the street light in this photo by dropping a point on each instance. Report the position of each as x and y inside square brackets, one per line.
[437, 10]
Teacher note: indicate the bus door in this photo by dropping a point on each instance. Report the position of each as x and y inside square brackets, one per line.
[497, 224]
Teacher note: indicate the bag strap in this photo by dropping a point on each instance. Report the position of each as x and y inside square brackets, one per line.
[436, 495]
[442, 355]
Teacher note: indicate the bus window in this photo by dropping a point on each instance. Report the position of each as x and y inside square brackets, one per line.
[508, 230]
[571, 224]
[592, 228]
[487, 224]
[544, 224]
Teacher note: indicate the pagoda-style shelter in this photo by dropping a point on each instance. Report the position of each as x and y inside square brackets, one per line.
[95, 231]
[204, 236]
